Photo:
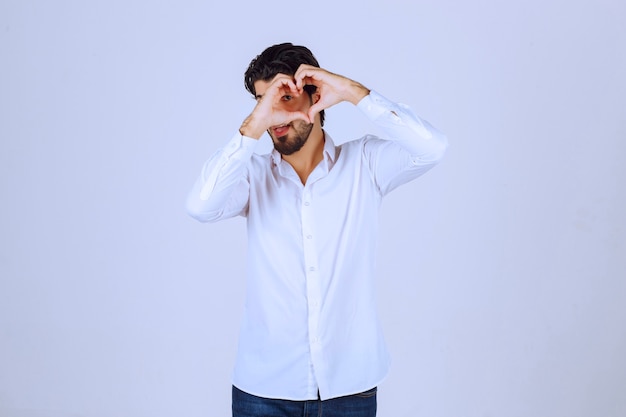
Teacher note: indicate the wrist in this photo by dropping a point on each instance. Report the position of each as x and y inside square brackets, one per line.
[250, 129]
[356, 92]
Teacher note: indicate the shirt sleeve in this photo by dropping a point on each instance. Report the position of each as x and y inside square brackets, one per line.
[411, 148]
[222, 189]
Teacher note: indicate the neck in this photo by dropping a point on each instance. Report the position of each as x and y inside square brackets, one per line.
[306, 159]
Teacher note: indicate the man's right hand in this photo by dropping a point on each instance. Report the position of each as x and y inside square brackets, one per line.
[269, 111]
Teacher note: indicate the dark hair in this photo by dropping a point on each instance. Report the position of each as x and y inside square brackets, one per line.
[284, 58]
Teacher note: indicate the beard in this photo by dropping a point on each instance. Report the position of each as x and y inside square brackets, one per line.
[286, 145]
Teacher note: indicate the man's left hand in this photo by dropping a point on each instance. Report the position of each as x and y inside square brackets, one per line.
[331, 88]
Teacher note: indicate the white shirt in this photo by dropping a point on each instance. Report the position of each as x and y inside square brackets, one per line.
[310, 319]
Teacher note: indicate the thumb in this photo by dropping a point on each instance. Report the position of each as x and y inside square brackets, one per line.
[300, 115]
[314, 109]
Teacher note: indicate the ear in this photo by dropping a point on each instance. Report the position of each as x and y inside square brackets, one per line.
[316, 96]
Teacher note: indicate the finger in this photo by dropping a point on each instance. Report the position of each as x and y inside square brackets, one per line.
[292, 85]
[290, 90]
[298, 115]
[300, 70]
[283, 80]
[306, 74]
[280, 86]
[287, 83]
[315, 109]
[299, 83]
[306, 78]
[294, 89]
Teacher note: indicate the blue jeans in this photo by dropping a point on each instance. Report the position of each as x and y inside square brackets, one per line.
[357, 405]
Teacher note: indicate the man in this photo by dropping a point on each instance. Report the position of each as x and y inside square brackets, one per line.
[310, 338]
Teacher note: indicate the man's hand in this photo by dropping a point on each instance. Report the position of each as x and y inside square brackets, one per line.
[268, 112]
[332, 88]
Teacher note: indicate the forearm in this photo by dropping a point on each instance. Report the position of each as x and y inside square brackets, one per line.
[415, 135]
[221, 176]
[355, 92]
[252, 127]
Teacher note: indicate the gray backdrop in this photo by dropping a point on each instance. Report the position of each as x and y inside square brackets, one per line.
[502, 272]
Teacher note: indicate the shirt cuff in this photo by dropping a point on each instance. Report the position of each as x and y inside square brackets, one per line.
[374, 105]
[240, 145]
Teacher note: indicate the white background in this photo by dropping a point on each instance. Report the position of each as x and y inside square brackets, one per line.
[502, 272]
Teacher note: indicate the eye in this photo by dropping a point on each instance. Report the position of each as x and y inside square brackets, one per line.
[287, 97]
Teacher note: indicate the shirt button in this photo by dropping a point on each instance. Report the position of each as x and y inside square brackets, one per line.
[312, 269]
[306, 203]
[309, 237]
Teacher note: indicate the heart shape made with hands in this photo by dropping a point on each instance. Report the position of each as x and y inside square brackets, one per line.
[325, 88]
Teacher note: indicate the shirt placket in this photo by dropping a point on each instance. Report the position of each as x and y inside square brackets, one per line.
[313, 293]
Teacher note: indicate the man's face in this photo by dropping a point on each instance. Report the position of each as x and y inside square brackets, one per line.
[288, 138]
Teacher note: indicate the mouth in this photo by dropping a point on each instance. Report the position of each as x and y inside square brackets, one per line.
[281, 130]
